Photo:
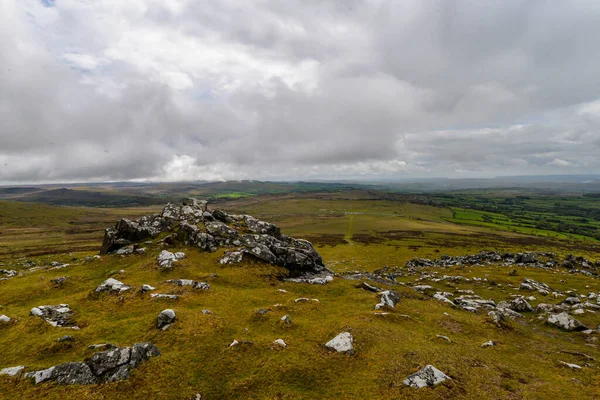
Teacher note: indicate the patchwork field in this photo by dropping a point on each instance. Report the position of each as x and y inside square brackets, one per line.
[353, 232]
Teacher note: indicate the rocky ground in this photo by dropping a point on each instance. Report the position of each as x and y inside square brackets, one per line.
[246, 305]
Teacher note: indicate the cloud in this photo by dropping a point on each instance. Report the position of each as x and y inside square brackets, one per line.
[111, 90]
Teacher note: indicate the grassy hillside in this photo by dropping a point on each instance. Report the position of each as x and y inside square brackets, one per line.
[352, 232]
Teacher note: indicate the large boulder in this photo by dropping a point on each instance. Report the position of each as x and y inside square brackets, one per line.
[106, 366]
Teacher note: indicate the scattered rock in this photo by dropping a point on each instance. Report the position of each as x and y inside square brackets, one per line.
[428, 376]
[147, 288]
[313, 280]
[107, 366]
[12, 371]
[446, 338]
[519, 304]
[279, 343]
[286, 320]
[305, 299]
[166, 259]
[262, 311]
[370, 288]
[60, 315]
[102, 346]
[571, 366]
[202, 286]
[66, 338]
[5, 319]
[206, 312]
[112, 285]
[566, 322]
[342, 343]
[165, 319]
[389, 298]
[489, 344]
[164, 296]
[59, 281]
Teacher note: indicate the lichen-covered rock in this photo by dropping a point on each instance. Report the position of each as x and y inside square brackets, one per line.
[428, 376]
[232, 257]
[165, 318]
[566, 322]
[191, 224]
[107, 366]
[166, 259]
[519, 304]
[164, 296]
[389, 298]
[112, 285]
[60, 315]
[342, 343]
[12, 371]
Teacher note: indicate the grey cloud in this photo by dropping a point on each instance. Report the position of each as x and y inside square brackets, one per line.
[163, 90]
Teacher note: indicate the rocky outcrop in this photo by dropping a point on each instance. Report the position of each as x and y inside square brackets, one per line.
[428, 376]
[190, 223]
[60, 315]
[106, 366]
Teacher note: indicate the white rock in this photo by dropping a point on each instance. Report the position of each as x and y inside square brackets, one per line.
[342, 343]
[286, 319]
[579, 311]
[428, 376]
[164, 296]
[12, 371]
[565, 321]
[488, 344]
[147, 288]
[572, 366]
[179, 255]
[282, 290]
[4, 318]
[234, 343]
[279, 343]
[303, 299]
[112, 285]
[166, 259]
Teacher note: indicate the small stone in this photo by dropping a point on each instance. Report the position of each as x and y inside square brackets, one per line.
[147, 288]
[66, 338]
[279, 343]
[282, 290]
[202, 286]
[571, 366]
[164, 296]
[112, 285]
[488, 344]
[206, 312]
[262, 311]
[286, 320]
[4, 318]
[342, 343]
[446, 338]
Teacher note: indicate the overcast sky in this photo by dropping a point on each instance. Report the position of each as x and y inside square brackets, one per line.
[273, 89]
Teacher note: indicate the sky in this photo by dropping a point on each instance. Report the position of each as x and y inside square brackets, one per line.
[172, 90]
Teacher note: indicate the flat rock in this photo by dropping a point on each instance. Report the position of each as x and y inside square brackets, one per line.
[107, 366]
[164, 296]
[428, 376]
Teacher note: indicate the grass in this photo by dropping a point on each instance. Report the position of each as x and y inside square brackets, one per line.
[350, 233]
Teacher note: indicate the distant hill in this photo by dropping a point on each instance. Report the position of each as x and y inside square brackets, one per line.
[70, 197]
